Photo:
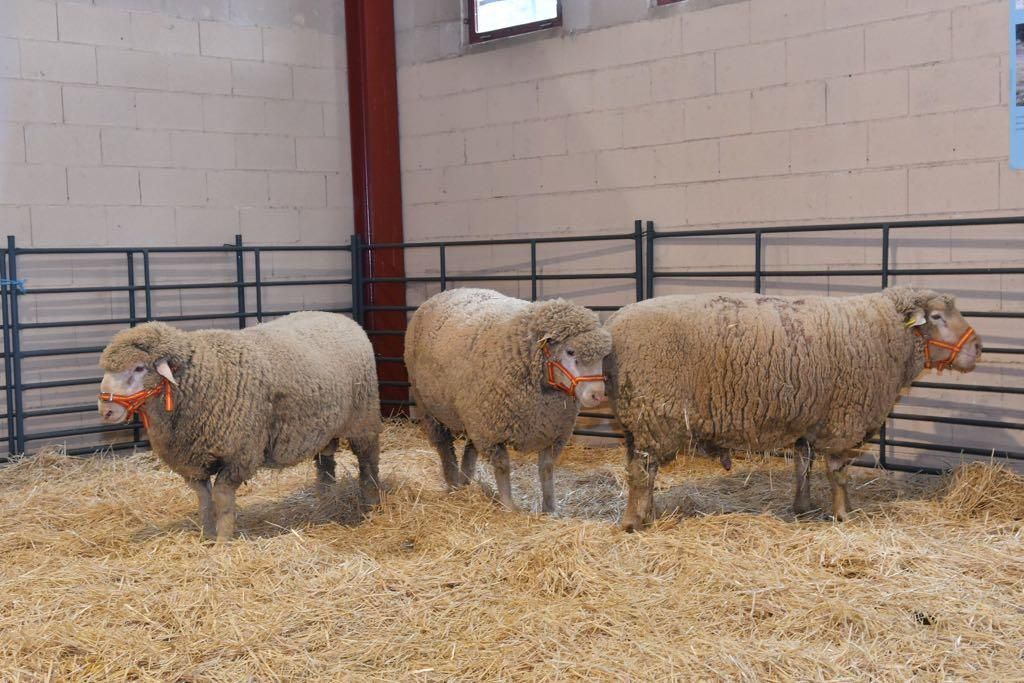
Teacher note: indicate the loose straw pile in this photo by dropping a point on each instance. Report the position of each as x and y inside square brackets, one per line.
[103, 577]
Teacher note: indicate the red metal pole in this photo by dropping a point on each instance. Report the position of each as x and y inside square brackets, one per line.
[377, 175]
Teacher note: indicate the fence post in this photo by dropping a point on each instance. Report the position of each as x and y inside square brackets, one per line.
[638, 251]
[885, 283]
[240, 279]
[15, 349]
[136, 433]
[533, 270]
[757, 262]
[650, 260]
[146, 284]
[442, 268]
[258, 285]
[131, 289]
[8, 380]
[357, 279]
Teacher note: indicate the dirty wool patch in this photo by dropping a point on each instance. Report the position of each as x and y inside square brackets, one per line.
[103, 576]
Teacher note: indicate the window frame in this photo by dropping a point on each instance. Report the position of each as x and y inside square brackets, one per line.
[517, 30]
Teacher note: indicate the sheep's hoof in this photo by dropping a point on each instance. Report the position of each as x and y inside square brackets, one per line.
[370, 498]
[631, 524]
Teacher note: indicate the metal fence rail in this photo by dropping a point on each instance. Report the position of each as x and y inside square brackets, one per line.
[16, 271]
[883, 273]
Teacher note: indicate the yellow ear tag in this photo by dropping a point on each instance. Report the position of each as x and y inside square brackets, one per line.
[910, 322]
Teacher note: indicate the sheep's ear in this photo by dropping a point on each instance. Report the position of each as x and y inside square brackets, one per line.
[164, 370]
[916, 318]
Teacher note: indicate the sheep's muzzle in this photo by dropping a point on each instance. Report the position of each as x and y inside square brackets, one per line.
[133, 403]
[567, 382]
[954, 349]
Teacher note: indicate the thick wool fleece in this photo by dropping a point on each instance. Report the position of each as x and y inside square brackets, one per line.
[477, 366]
[267, 396]
[760, 372]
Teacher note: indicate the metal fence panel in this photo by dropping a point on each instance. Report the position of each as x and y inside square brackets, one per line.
[46, 386]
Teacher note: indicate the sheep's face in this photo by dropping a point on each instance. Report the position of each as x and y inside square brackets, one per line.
[940, 320]
[573, 370]
[124, 383]
[127, 382]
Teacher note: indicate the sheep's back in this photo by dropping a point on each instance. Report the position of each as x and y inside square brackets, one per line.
[751, 371]
[322, 383]
[467, 364]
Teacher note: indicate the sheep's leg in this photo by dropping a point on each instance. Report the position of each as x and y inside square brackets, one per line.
[468, 462]
[325, 468]
[224, 504]
[641, 469]
[803, 458]
[838, 476]
[502, 470]
[443, 441]
[367, 450]
[205, 496]
[546, 470]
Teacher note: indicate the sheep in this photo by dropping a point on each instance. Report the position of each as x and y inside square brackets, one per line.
[234, 401]
[754, 372]
[503, 372]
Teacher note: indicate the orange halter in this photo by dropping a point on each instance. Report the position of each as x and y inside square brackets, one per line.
[954, 349]
[133, 403]
[573, 380]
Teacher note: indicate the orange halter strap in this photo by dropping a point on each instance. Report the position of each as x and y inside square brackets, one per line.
[954, 349]
[559, 383]
[133, 403]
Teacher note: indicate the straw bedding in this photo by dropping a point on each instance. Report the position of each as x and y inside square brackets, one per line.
[102, 577]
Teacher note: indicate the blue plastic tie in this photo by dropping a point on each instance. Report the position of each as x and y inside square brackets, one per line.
[18, 284]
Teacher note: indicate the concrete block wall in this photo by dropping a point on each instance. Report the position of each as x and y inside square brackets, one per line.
[184, 121]
[801, 110]
[720, 113]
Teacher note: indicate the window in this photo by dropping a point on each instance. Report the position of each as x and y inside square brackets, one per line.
[490, 19]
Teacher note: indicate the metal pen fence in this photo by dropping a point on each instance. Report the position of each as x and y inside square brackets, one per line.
[652, 267]
[883, 274]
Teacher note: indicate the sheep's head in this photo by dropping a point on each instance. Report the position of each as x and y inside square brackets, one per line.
[135, 360]
[949, 339]
[570, 340]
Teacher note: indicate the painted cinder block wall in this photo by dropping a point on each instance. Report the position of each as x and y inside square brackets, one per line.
[163, 122]
[719, 113]
[707, 113]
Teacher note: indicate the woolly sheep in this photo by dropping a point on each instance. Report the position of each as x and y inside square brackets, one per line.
[755, 372]
[271, 395]
[488, 366]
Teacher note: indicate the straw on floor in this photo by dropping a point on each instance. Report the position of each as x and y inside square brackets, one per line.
[103, 577]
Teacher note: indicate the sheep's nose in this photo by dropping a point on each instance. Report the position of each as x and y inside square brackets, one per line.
[597, 396]
[108, 413]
